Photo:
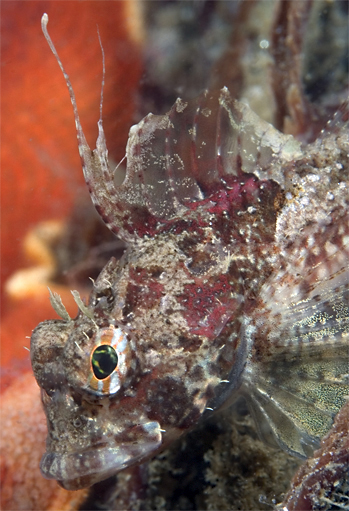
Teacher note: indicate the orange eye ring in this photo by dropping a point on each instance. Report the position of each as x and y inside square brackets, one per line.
[108, 361]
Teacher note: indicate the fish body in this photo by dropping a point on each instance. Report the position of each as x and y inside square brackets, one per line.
[235, 280]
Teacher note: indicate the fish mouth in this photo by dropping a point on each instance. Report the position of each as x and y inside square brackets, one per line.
[77, 470]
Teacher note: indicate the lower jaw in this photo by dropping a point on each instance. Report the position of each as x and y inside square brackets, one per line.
[74, 471]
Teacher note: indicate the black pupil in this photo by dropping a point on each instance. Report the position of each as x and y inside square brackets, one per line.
[104, 361]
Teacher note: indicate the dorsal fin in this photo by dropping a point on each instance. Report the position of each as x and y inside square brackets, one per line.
[83, 145]
[98, 175]
[176, 161]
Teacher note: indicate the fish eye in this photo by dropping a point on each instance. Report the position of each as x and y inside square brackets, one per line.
[104, 361]
[109, 361]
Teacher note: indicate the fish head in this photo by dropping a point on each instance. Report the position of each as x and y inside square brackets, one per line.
[124, 378]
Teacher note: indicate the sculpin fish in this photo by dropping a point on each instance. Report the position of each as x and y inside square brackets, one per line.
[234, 280]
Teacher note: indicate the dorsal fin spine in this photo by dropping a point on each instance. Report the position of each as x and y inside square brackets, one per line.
[83, 145]
[98, 176]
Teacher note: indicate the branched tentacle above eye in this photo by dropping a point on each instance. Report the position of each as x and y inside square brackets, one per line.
[58, 306]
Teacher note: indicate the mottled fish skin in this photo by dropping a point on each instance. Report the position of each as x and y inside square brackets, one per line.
[234, 280]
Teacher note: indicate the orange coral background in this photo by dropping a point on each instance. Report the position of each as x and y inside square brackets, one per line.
[40, 179]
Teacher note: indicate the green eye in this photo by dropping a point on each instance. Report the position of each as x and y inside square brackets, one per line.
[104, 360]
